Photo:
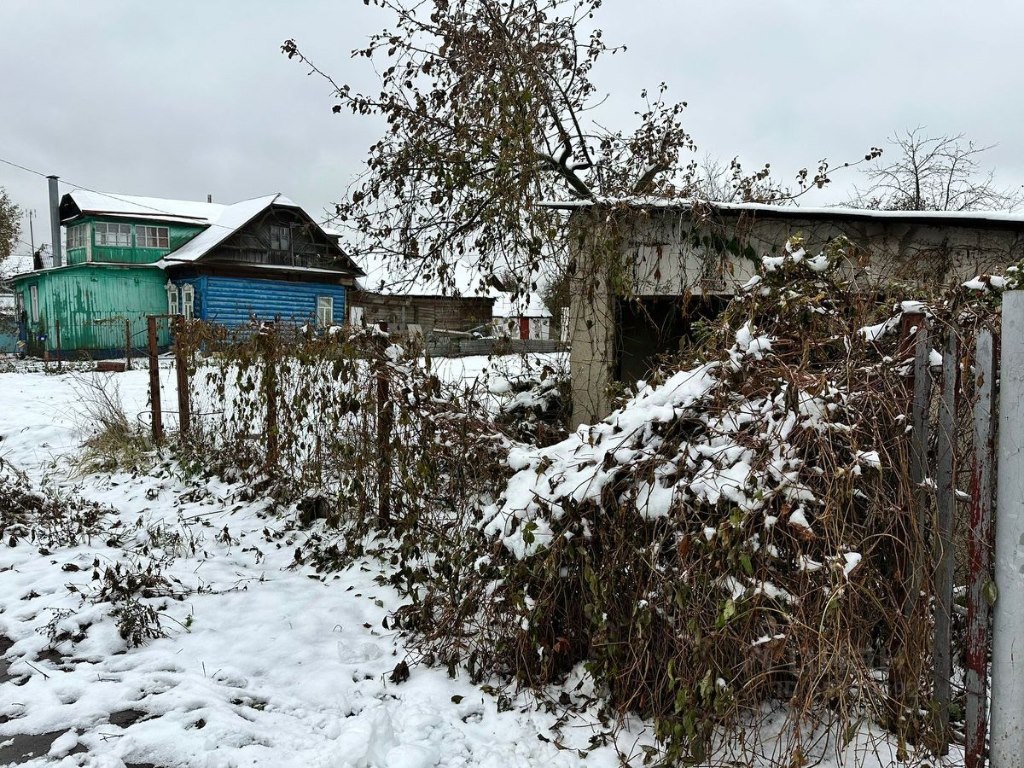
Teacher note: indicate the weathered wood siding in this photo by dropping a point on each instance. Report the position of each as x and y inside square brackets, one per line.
[232, 301]
[92, 302]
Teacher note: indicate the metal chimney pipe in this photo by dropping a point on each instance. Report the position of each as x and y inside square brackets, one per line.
[54, 220]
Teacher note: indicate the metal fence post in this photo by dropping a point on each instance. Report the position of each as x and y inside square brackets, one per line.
[1007, 713]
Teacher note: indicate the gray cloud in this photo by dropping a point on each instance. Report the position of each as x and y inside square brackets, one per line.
[190, 98]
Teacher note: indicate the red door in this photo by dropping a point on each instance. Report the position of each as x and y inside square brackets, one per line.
[524, 327]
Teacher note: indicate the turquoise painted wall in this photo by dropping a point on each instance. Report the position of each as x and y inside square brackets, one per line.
[178, 235]
[92, 303]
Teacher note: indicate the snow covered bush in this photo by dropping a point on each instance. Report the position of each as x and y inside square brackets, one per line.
[739, 536]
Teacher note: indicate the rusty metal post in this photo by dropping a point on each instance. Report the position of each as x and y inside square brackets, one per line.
[945, 507]
[154, 378]
[127, 345]
[181, 369]
[979, 553]
[385, 425]
[60, 356]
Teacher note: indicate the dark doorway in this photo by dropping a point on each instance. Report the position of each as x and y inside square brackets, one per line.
[652, 326]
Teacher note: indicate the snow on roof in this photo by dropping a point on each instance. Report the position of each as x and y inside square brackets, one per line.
[960, 218]
[145, 207]
[530, 305]
[230, 219]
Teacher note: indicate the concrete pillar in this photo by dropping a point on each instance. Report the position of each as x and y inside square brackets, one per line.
[1007, 708]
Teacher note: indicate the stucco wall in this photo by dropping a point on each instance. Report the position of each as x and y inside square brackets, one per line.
[657, 252]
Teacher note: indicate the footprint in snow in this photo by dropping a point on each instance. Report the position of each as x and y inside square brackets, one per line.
[357, 653]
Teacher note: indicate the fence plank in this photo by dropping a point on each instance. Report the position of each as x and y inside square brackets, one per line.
[154, 378]
[181, 369]
[945, 501]
[979, 554]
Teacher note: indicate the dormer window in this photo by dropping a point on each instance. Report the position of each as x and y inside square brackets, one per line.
[113, 235]
[280, 238]
[151, 237]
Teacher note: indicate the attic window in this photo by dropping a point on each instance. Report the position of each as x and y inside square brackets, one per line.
[280, 238]
[113, 235]
[151, 237]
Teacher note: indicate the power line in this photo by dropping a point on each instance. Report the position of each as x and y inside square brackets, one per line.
[129, 202]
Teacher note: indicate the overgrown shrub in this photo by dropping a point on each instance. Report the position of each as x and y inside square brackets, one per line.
[743, 534]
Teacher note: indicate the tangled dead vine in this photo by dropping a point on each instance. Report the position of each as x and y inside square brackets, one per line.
[738, 553]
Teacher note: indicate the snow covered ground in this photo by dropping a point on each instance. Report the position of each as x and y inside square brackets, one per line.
[264, 663]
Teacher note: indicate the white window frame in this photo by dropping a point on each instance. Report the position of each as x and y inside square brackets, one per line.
[112, 235]
[172, 298]
[78, 236]
[147, 236]
[188, 300]
[33, 293]
[324, 311]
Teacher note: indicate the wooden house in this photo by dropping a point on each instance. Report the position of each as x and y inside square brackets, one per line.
[429, 314]
[130, 257]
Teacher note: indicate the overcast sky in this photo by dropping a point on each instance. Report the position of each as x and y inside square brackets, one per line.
[192, 98]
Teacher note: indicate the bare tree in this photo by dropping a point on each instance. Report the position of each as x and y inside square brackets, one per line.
[934, 173]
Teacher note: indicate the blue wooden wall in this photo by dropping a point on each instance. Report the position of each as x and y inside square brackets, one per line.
[231, 301]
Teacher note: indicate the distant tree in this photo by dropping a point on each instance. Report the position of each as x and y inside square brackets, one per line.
[10, 225]
[934, 173]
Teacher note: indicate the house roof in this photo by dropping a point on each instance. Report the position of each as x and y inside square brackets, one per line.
[981, 219]
[80, 202]
[230, 219]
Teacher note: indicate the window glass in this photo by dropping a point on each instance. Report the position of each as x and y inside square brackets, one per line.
[172, 299]
[33, 292]
[151, 237]
[77, 235]
[324, 311]
[279, 238]
[113, 235]
[188, 298]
